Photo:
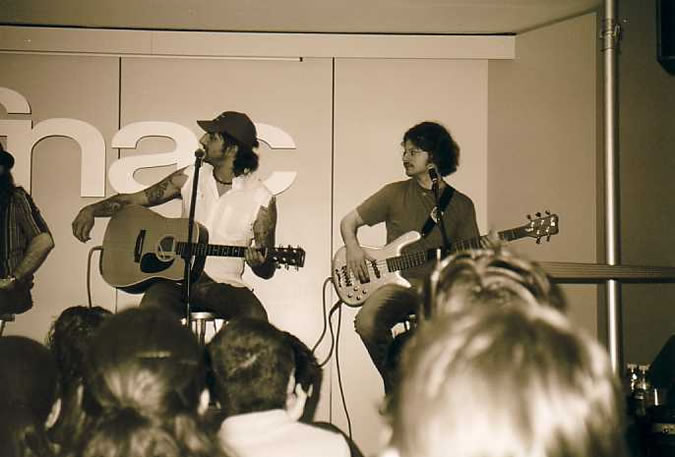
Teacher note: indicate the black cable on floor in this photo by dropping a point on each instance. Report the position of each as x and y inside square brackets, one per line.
[339, 374]
[325, 321]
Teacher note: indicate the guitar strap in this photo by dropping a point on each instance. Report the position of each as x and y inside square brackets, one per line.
[432, 220]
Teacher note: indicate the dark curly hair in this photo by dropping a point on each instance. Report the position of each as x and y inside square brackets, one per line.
[437, 141]
[246, 160]
[69, 339]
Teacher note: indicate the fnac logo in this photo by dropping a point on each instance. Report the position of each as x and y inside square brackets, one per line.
[22, 137]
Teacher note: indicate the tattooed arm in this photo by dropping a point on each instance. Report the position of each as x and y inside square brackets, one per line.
[264, 229]
[165, 190]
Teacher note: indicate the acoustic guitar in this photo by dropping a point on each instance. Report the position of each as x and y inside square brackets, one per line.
[141, 246]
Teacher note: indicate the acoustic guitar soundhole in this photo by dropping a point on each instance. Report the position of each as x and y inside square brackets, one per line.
[150, 263]
[162, 258]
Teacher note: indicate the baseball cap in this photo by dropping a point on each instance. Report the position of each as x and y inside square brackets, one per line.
[235, 124]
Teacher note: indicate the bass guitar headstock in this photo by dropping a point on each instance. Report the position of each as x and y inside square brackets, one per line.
[541, 226]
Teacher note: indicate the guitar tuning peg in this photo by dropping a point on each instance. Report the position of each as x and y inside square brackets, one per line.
[538, 214]
[548, 238]
[529, 217]
[538, 240]
[286, 266]
[548, 213]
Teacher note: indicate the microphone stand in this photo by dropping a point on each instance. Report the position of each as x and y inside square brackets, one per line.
[187, 254]
[439, 211]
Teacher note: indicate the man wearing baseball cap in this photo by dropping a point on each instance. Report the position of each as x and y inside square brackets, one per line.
[25, 241]
[232, 203]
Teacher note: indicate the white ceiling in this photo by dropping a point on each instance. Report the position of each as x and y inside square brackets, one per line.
[336, 16]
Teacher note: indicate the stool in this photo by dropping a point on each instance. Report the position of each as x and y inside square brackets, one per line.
[198, 320]
[4, 318]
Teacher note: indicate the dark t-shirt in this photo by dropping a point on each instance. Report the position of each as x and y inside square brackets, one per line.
[405, 206]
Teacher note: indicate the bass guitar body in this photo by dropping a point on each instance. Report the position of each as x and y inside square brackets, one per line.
[352, 291]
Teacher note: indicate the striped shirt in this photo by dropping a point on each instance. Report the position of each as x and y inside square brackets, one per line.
[20, 222]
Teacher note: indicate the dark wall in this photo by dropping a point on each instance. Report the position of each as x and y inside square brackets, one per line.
[647, 164]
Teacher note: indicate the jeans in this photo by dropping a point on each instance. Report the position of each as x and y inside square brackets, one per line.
[387, 306]
[225, 301]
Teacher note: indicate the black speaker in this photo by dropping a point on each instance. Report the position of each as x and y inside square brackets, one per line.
[665, 34]
[662, 369]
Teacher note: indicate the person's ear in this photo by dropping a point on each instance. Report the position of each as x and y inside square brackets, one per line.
[290, 387]
[231, 150]
[53, 414]
[295, 404]
[204, 399]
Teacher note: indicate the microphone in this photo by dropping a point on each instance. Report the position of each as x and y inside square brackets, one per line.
[433, 174]
[199, 154]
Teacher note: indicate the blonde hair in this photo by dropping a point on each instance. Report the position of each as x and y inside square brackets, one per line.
[488, 276]
[506, 381]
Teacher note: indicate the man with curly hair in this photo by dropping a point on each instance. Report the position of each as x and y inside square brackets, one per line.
[406, 206]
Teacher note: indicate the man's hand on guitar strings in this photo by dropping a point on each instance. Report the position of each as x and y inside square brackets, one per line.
[255, 256]
[356, 258]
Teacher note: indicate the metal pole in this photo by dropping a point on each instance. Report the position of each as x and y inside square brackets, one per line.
[610, 41]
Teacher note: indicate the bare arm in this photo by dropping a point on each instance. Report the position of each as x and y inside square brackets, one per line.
[356, 256]
[264, 229]
[37, 251]
[161, 192]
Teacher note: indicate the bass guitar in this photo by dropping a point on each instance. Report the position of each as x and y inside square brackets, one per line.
[141, 246]
[388, 261]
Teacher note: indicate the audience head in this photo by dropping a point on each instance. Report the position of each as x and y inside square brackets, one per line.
[69, 339]
[308, 377]
[29, 403]
[130, 434]
[70, 336]
[253, 367]
[489, 277]
[145, 371]
[506, 381]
